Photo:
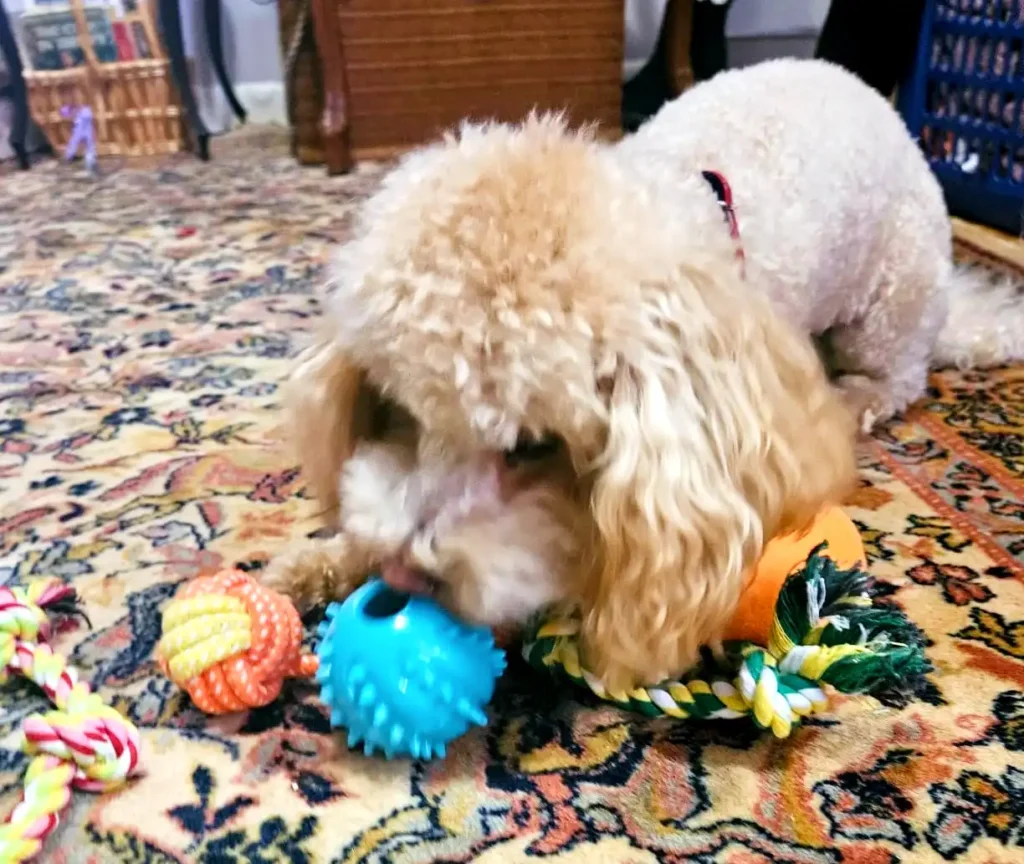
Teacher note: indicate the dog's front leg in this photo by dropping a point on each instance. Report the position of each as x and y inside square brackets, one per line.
[318, 571]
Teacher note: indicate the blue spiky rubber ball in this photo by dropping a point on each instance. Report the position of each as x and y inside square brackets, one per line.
[402, 675]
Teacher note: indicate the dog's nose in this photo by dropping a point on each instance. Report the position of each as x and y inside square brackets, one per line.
[409, 580]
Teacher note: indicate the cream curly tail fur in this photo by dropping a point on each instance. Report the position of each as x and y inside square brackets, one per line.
[985, 324]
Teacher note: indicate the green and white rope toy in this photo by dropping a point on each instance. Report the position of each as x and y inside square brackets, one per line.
[826, 629]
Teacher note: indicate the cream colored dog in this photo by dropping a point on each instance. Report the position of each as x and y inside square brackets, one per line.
[547, 376]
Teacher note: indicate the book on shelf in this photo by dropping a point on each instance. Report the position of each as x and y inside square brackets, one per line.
[49, 36]
[125, 41]
[140, 41]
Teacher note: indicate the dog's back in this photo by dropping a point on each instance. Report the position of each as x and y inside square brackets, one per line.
[823, 173]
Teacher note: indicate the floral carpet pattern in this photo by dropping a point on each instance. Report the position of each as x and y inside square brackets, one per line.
[146, 320]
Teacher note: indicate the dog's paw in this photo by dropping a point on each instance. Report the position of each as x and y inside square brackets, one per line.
[869, 400]
[315, 573]
[292, 574]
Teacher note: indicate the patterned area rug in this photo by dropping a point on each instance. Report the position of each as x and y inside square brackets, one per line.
[145, 322]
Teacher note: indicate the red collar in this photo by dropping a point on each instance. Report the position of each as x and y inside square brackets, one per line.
[723, 192]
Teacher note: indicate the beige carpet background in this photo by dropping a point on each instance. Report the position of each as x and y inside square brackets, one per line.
[145, 322]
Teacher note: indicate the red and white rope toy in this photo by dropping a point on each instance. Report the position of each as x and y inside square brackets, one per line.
[83, 744]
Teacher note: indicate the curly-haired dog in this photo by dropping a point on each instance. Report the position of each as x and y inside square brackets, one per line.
[548, 377]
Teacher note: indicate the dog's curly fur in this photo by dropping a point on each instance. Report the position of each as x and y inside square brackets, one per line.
[516, 286]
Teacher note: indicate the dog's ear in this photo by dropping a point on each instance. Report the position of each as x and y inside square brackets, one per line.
[722, 431]
[329, 408]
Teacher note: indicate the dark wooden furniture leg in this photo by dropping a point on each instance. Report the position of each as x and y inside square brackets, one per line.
[334, 126]
[678, 28]
[875, 41]
[169, 18]
[708, 51]
[15, 89]
[215, 43]
[667, 73]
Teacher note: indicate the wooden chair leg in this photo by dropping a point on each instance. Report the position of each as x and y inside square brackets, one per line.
[708, 52]
[215, 43]
[678, 27]
[169, 16]
[18, 91]
[335, 123]
[874, 41]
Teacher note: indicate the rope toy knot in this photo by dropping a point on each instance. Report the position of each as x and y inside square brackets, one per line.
[230, 643]
[23, 617]
[88, 734]
[776, 701]
[81, 744]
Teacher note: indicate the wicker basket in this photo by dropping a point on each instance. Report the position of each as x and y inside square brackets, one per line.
[416, 67]
[135, 108]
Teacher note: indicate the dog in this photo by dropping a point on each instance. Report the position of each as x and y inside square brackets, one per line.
[560, 372]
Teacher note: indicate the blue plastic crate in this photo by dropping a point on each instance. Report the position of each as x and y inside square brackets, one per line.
[964, 101]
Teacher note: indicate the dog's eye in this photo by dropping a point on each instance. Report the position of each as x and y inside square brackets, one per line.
[529, 449]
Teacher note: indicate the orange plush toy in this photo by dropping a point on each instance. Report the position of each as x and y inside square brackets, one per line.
[806, 618]
[782, 557]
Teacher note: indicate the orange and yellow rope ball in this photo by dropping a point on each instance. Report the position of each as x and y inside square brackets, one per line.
[230, 643]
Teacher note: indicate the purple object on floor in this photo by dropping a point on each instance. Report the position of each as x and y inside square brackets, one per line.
[83, 135]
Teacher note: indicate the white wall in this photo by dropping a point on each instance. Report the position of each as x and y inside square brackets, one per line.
[776, 17]
[249, 26]
[252, 56]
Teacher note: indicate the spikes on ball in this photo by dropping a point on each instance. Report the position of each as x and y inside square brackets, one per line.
[397, 735]
[403, 676]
